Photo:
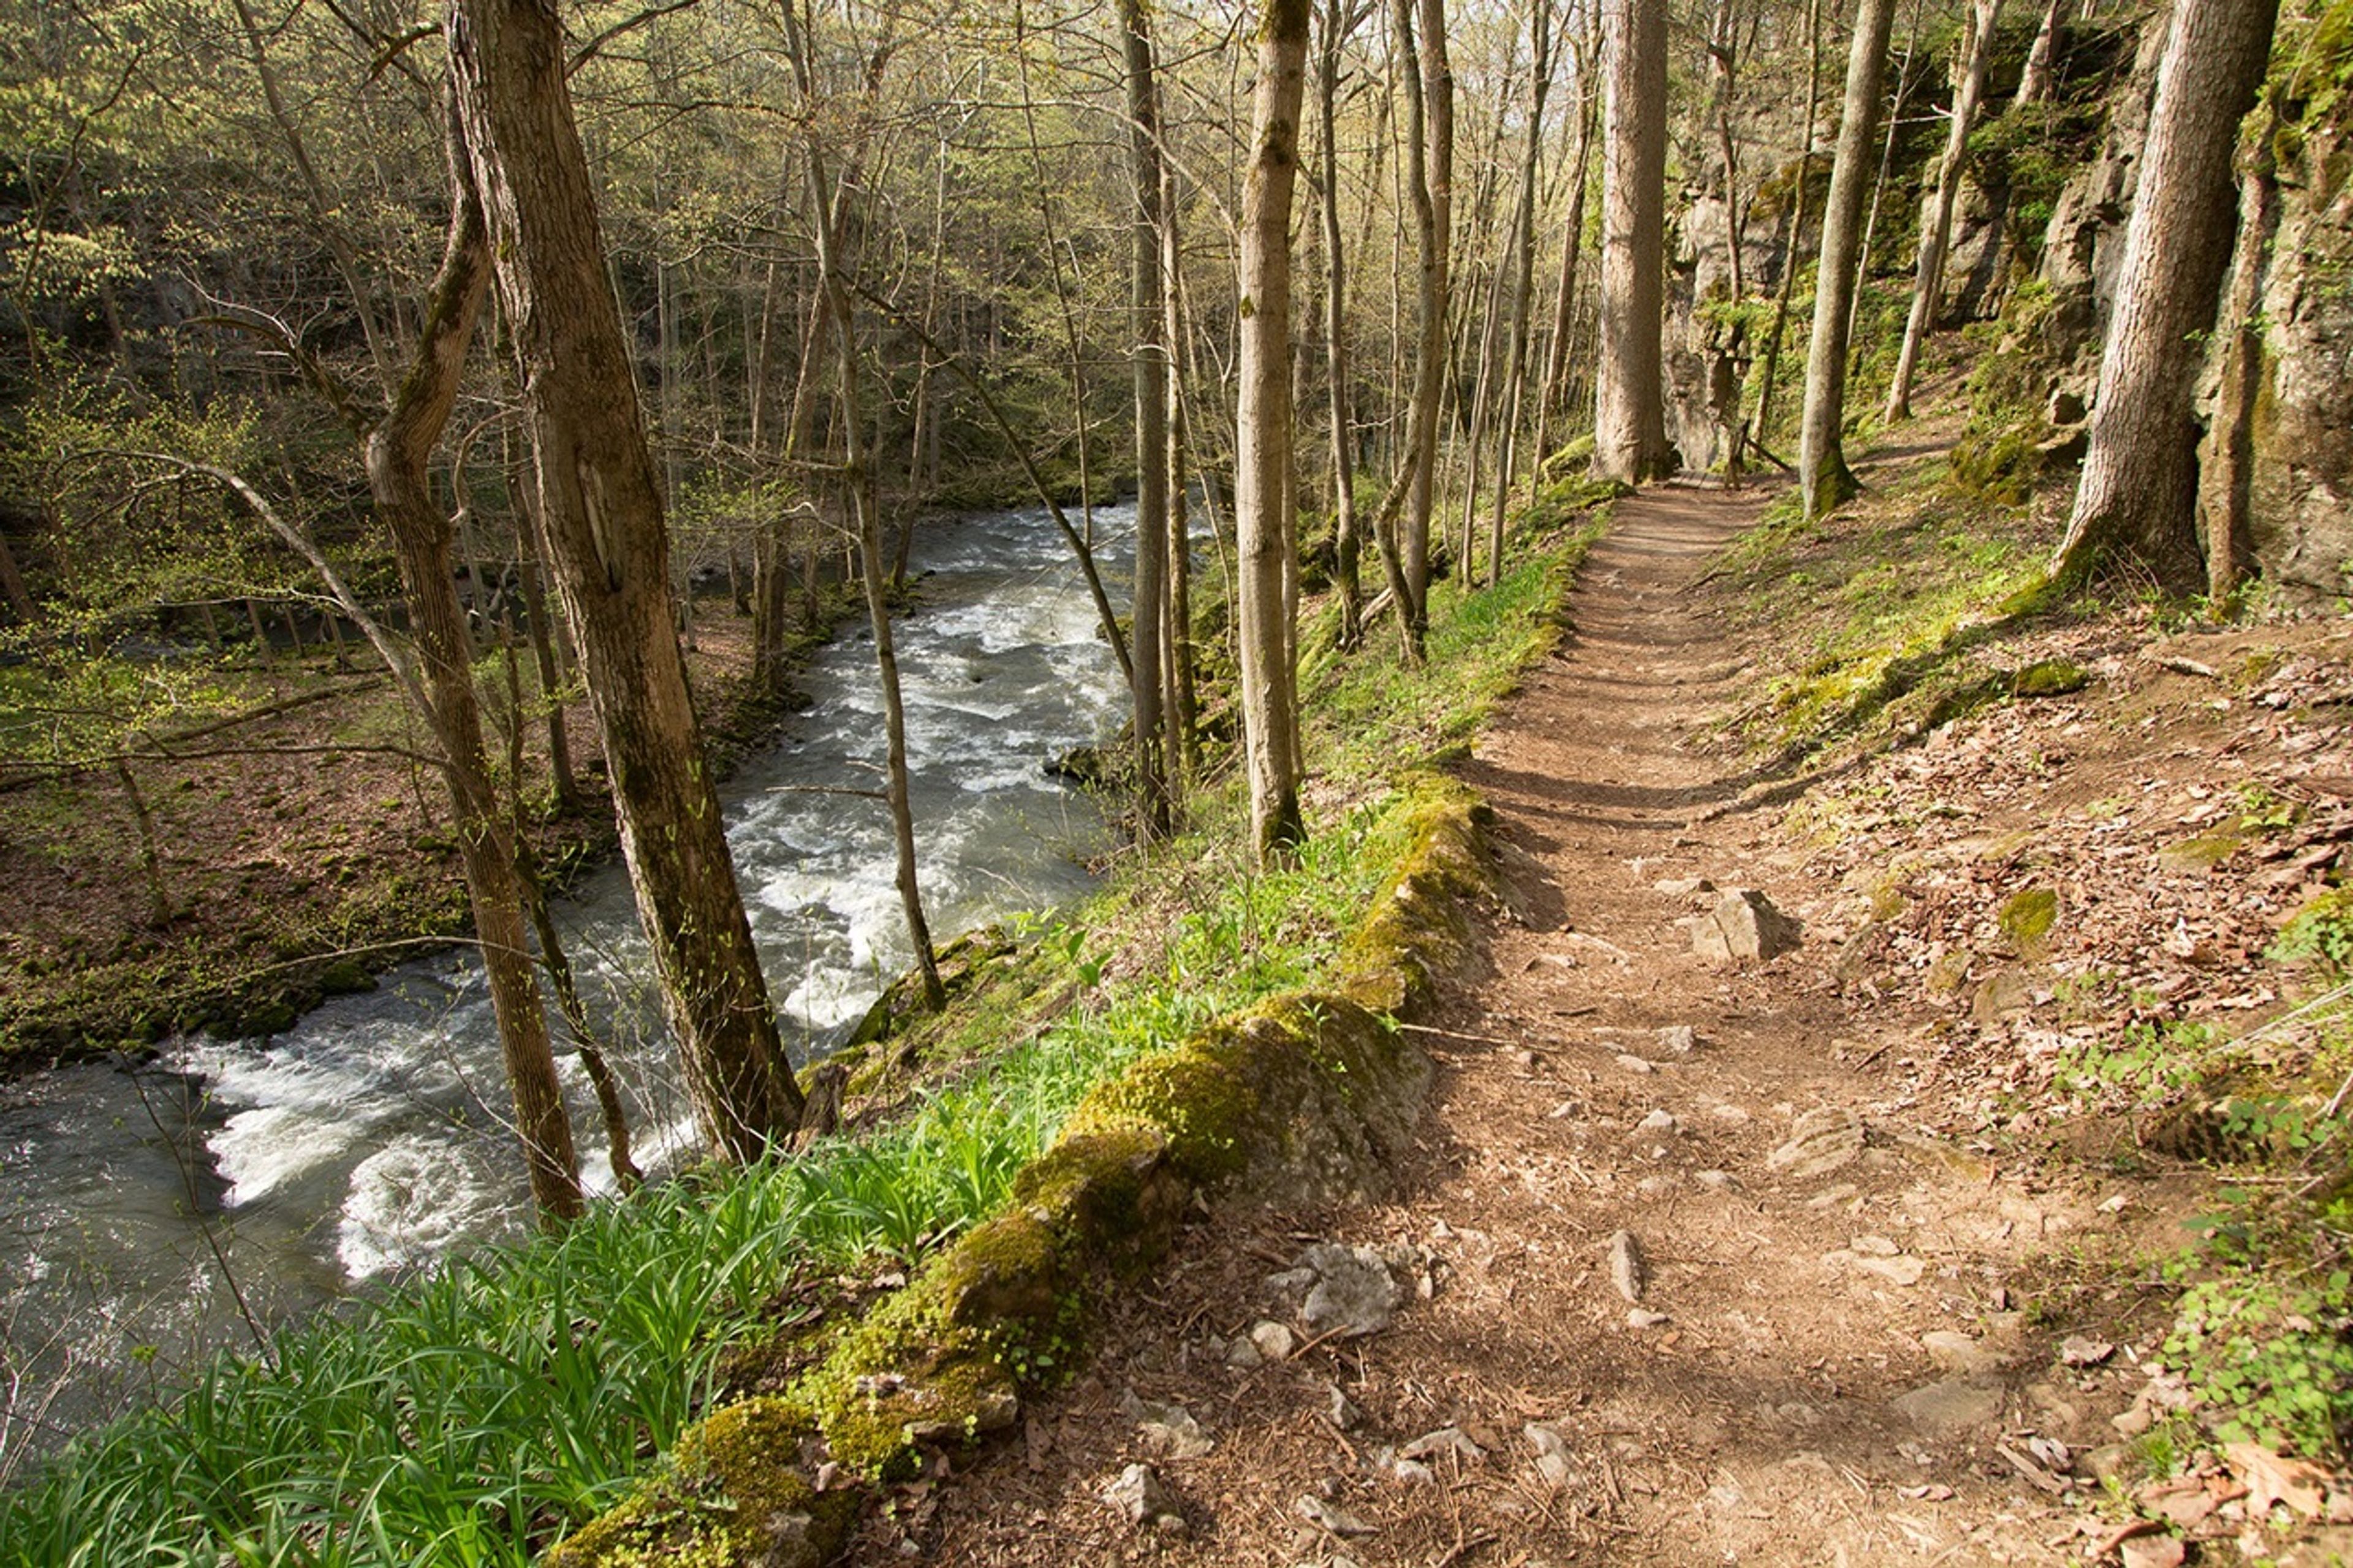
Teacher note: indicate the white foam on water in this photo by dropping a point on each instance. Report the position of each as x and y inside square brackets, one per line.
[410, 1201]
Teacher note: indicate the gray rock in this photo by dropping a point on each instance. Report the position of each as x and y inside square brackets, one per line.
[1657, 1122]
[1744, 924]
[1948, 1405]
[1330, 1517]
[1627, 1269]
[1678, 1039]
[1140, 1497]
[1168, 1429]
[1340, 1411]
[1643, 1318]
[1960, 1352]
[1445, 1440]
[1243, 1353]
[1821, 1142]
[1355, 1294]
[1272, 1339]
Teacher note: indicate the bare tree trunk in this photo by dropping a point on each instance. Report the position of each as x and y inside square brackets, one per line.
[1523, 240]
[1822, 471]
[600, 500]
[2226, 476]
[1551, 400]
[1430, 100]
[398, 451]
[1724, 60]
[2135, 501]
[1155, 811]
[826, 206]
[2035, 84]
[1263, 434]
[1629, 418]
[1936, 232]
[1769, 380]
[1182, 704]
[1347, 545]
[12, 585]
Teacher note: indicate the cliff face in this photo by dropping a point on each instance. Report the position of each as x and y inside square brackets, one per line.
[2299, 429]
[2277, 459]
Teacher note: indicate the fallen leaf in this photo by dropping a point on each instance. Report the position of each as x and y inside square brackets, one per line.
[2271, 1479]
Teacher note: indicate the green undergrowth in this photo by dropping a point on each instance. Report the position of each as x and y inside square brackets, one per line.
[1890, 616]
[481, 1413]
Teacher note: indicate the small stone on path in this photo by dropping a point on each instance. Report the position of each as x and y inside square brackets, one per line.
[1168, 1429]
[1948, 1405]
[1823, 1139]
[1679, 1039]
[1635, 1064]
[1354, 1294]
[1627, 1271]
[1658, 1122]
[1744, 925]
[1139, 1497]
[1271, 1339]
[1642, 1318]
[1328, 1516]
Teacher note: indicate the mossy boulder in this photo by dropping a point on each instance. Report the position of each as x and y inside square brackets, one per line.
[2027, 919]
[1418, 927]
[1305, 1098]
[733, 1494]
[960, 964]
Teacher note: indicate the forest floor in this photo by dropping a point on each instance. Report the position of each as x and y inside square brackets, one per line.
[302, 846]
[1894, 1292]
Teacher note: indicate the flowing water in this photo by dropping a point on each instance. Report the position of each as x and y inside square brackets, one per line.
[149, 1216]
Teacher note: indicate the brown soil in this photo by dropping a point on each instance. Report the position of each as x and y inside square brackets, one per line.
[300, 850]
[1773, 1411]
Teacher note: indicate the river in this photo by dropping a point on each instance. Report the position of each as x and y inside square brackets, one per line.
[138, 1207]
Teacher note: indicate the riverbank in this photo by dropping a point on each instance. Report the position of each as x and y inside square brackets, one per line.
[746, 1281]
[270, 862]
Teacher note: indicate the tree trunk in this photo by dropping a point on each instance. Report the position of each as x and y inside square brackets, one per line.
[1523, 244]
[1429, 102]
[1551, 399]
[398, 451]
[1936, 232]
[12, 585]
[2041, 77]
[828, 210]
[601, 503]
[1263, 434]
[1347, 546]
[2135, 501]
[1155, 811]
[1182, 703]
[2226, 474]
[1822, 469]
[1629, 416]
[1769, 380]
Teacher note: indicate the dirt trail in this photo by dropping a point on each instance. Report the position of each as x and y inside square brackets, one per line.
[1828, 1353]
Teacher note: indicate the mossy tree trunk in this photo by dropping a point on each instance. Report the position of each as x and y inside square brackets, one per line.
[1262, 490]
[2134, 502]
[1346, 544]
[1822, 471]
[608, 547]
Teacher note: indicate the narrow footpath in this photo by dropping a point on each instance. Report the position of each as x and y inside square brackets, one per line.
[1681, 1285]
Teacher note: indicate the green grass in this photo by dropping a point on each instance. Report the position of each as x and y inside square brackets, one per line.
[474, 1415]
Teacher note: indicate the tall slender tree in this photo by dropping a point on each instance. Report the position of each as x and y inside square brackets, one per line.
[2134, 502]
[1630, 418]
[1153, 803]
[1263, 422]
[1937, 221]
[601, 502]
[1822, 471]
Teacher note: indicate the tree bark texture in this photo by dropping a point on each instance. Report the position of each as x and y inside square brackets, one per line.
[600, 502]
[1263, 433]
[1822, 469]
[1630, 413]
[1346, 543]
[1154, 805]
[1936, 225]
[2134, 504]
[398, 452]
[2226, 471]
